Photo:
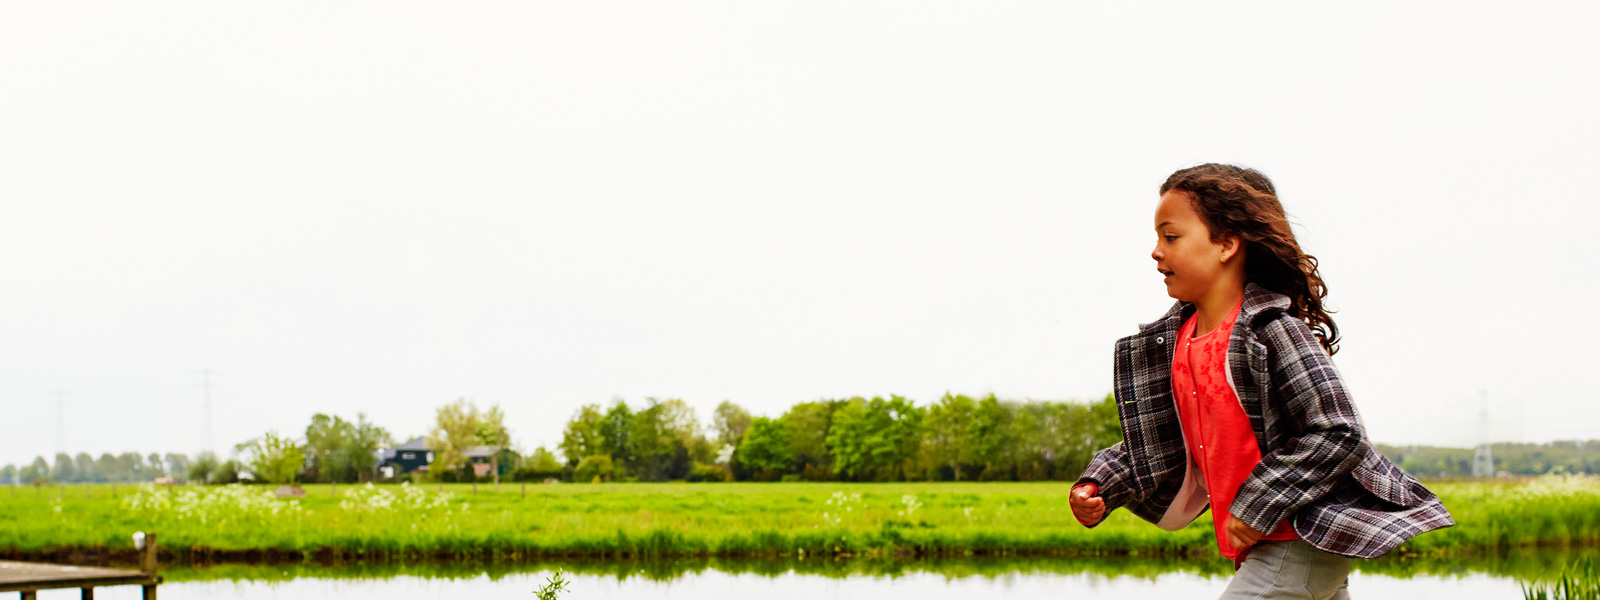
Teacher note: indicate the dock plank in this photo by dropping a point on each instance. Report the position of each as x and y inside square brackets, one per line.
[17, 576]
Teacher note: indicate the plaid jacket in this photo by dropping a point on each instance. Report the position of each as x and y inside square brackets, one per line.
[1317, 467]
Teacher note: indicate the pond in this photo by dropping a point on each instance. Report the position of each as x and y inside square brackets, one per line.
[1108, 577]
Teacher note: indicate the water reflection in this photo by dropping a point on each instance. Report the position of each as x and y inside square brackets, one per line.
[1460, 578]
[1527, 564]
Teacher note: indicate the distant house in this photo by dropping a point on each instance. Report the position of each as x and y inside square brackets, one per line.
[405, 458]
[483, 459]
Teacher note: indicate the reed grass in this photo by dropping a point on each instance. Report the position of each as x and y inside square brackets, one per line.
[1578, 582]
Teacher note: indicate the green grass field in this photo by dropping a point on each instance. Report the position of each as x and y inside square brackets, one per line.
[685, 520]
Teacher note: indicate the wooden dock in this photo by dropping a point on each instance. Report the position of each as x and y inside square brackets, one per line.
[30, 577]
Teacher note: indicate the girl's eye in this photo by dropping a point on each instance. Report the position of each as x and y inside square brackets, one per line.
[1170, 237]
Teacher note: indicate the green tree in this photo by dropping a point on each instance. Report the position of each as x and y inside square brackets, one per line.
[991, 437]
[203, 467]
[808, 424]
[131, 466]
[32, 473]
[108, 467]
[275, 459]
[227, 472]
[729, 421]
[155, 466]
[582, 435]
[616, 431]
[84, 465]
[361, 451]
[64, 470]
[458, 426]
[327, 441]
[875, 439]
[767, 448]
[8, 475]
[661, 434]
[945, 437]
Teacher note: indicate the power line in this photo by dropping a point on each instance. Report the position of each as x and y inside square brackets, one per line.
[1482, 456]
[206, 444]
[61, 423]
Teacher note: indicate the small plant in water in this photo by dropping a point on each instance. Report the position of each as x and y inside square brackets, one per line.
[552, 586]
[1578, 582]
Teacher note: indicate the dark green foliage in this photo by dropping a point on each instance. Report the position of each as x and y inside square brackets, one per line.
[956, 438]
[767, 449]
[875, 440]
[706, 473]
[592, 468]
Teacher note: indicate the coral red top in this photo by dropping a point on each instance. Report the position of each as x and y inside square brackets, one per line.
[1215, 427]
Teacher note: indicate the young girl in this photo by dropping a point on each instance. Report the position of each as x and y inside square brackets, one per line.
[1231, 401]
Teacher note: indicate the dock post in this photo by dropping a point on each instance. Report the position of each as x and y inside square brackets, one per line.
[149, 564]
[88, 593]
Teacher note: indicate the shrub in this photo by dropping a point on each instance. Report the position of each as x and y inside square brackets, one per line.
[702, 472]
[593, 467]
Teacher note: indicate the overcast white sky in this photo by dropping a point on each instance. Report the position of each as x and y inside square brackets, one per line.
[383, 206]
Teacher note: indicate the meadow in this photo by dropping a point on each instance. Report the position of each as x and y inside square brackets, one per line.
[200, 524]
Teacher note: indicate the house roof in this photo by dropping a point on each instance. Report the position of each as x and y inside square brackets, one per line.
[415, 444]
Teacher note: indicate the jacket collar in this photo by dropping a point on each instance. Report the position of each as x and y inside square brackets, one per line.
[1257, 301]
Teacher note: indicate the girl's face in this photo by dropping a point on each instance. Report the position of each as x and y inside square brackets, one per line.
[1191, 263]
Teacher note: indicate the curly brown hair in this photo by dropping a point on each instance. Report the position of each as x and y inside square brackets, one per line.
[1242, 202]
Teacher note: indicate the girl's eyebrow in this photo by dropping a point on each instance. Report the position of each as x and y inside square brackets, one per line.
[1163, 224]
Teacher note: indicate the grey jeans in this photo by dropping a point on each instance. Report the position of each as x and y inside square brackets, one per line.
[1290, 569]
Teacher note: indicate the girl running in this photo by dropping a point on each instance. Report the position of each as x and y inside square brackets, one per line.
[1231, 401]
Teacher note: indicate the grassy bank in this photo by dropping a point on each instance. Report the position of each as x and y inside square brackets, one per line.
[664, 520]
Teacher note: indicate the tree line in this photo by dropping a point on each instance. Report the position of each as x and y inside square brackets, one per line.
[956, 438]
[1513, 459]
[109, 468]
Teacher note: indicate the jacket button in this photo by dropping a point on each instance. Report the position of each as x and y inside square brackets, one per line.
[1160, 340]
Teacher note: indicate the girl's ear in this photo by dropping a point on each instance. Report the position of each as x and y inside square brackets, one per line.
[1231, 245]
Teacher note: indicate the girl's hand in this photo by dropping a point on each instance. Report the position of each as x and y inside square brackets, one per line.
[1240, 535]
[1087, 505]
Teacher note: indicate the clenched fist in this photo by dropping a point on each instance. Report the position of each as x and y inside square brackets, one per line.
[1087, 506]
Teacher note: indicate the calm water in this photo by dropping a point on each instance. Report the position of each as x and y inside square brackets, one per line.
[1121, 578]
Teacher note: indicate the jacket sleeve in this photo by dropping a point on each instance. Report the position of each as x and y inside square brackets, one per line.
[1110, 472]
[1324, 431]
